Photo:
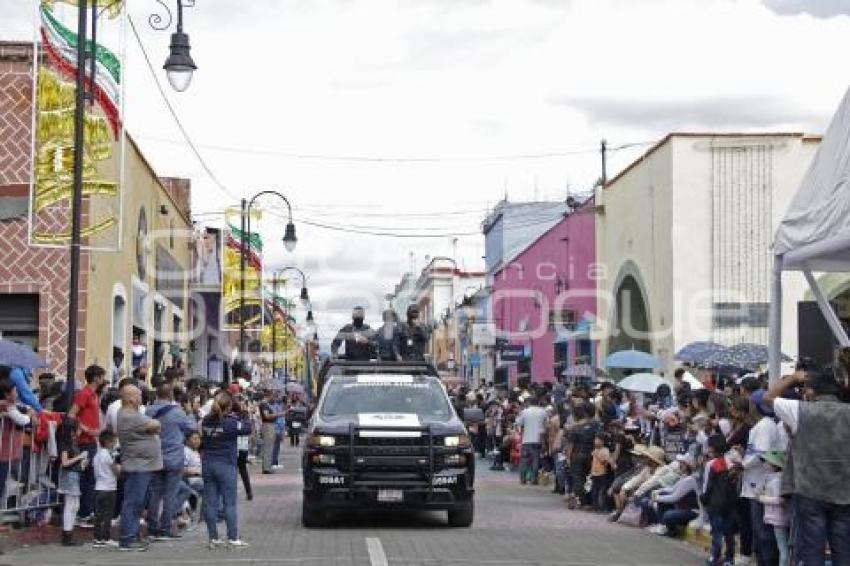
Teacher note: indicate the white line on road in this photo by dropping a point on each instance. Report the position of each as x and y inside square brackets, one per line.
[376, 552]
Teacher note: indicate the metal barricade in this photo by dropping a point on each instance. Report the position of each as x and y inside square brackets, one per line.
[27, 474]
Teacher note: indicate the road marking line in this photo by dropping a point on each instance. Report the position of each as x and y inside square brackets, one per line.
[376, 552]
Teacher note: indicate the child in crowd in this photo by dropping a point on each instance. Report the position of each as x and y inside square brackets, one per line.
[72, 462]
[106, 490]
[720, 498]
[774, 504]
[600, 468]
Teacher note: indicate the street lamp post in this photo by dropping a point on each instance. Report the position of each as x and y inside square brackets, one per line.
[289, 242]
[82, 53]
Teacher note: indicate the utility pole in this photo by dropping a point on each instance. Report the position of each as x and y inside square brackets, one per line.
[274, 325]
[603, 148]
[243, 237]
[77, 200]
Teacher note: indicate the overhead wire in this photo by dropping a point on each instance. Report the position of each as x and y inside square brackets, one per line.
[554, 154]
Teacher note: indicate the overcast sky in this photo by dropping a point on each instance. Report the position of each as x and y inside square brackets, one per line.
[328, 100]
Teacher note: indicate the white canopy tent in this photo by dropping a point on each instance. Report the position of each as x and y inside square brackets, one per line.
[815, 233]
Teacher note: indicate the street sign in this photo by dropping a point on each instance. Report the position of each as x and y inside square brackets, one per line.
[513, 352]
[475, 360]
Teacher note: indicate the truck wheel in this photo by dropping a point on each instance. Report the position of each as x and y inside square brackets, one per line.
[462, 516]
[311, 516]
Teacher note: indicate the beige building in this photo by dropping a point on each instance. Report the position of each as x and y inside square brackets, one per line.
[146, 282]
[683, 241]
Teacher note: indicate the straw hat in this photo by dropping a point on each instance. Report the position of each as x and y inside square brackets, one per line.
[656, 454]
[638, 450]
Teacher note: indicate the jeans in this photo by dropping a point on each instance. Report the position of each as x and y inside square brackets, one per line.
[722, 532]
[599, 492]
[675, 518]
[164, 487]
[87, 483]
[744, 526]
[764, 542]
[220, 483]
[269, 439]
[819, 522]
[104, 507]
[529, 463]
[560, 474]
[136, 486]
[278, 440]
[242, 464]
[781, 534]
[4, 474]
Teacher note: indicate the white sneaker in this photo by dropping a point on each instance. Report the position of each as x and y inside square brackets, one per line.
[660, 530]
[217, 543]
[742, 561]
[238, 543]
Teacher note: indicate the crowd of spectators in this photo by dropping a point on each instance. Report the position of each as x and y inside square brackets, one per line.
[764, 469]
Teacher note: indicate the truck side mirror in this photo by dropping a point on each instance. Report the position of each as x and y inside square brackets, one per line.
[473, 415]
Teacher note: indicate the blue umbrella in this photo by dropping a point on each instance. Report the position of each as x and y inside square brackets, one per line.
[745, 356]
[698, 352]
[15, 355]
[632, 359]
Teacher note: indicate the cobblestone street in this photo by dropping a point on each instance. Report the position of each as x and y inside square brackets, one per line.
[513, 525]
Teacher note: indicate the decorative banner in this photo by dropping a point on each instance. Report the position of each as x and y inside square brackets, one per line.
[51, 189]
[280, 334]
[231, 280]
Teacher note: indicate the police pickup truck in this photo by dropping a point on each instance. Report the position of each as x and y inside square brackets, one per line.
[385, 435]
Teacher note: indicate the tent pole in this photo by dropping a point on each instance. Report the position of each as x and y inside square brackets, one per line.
[775, 322]
[828, 312]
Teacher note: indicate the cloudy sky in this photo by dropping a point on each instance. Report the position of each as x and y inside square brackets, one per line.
[414, 116]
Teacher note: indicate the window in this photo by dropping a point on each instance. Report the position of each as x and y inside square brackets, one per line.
[562, 320]
[733, 315]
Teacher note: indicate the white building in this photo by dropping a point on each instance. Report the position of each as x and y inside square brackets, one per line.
[683, 242]
[441, 286]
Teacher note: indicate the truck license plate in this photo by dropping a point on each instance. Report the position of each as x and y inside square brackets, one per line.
[390, 495]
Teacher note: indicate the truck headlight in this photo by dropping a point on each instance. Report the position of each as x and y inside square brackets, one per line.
[459, 441]
[321, 440]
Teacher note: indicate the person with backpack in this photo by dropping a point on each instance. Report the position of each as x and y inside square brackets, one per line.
[720, 500]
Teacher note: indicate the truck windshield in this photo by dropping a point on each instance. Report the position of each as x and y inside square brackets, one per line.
[426, 399]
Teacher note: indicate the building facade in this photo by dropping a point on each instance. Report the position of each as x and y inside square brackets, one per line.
[438, 291]
[139, 290]
[684, 235]
[544, 299]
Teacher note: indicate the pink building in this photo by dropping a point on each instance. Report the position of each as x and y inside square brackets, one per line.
[544, 298]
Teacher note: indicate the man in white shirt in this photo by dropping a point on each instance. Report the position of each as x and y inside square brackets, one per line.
[113, 408]
[532, 423]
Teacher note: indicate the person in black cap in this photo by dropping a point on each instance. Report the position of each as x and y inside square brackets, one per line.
[415, 336]
[357, 337]
[388, 338]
